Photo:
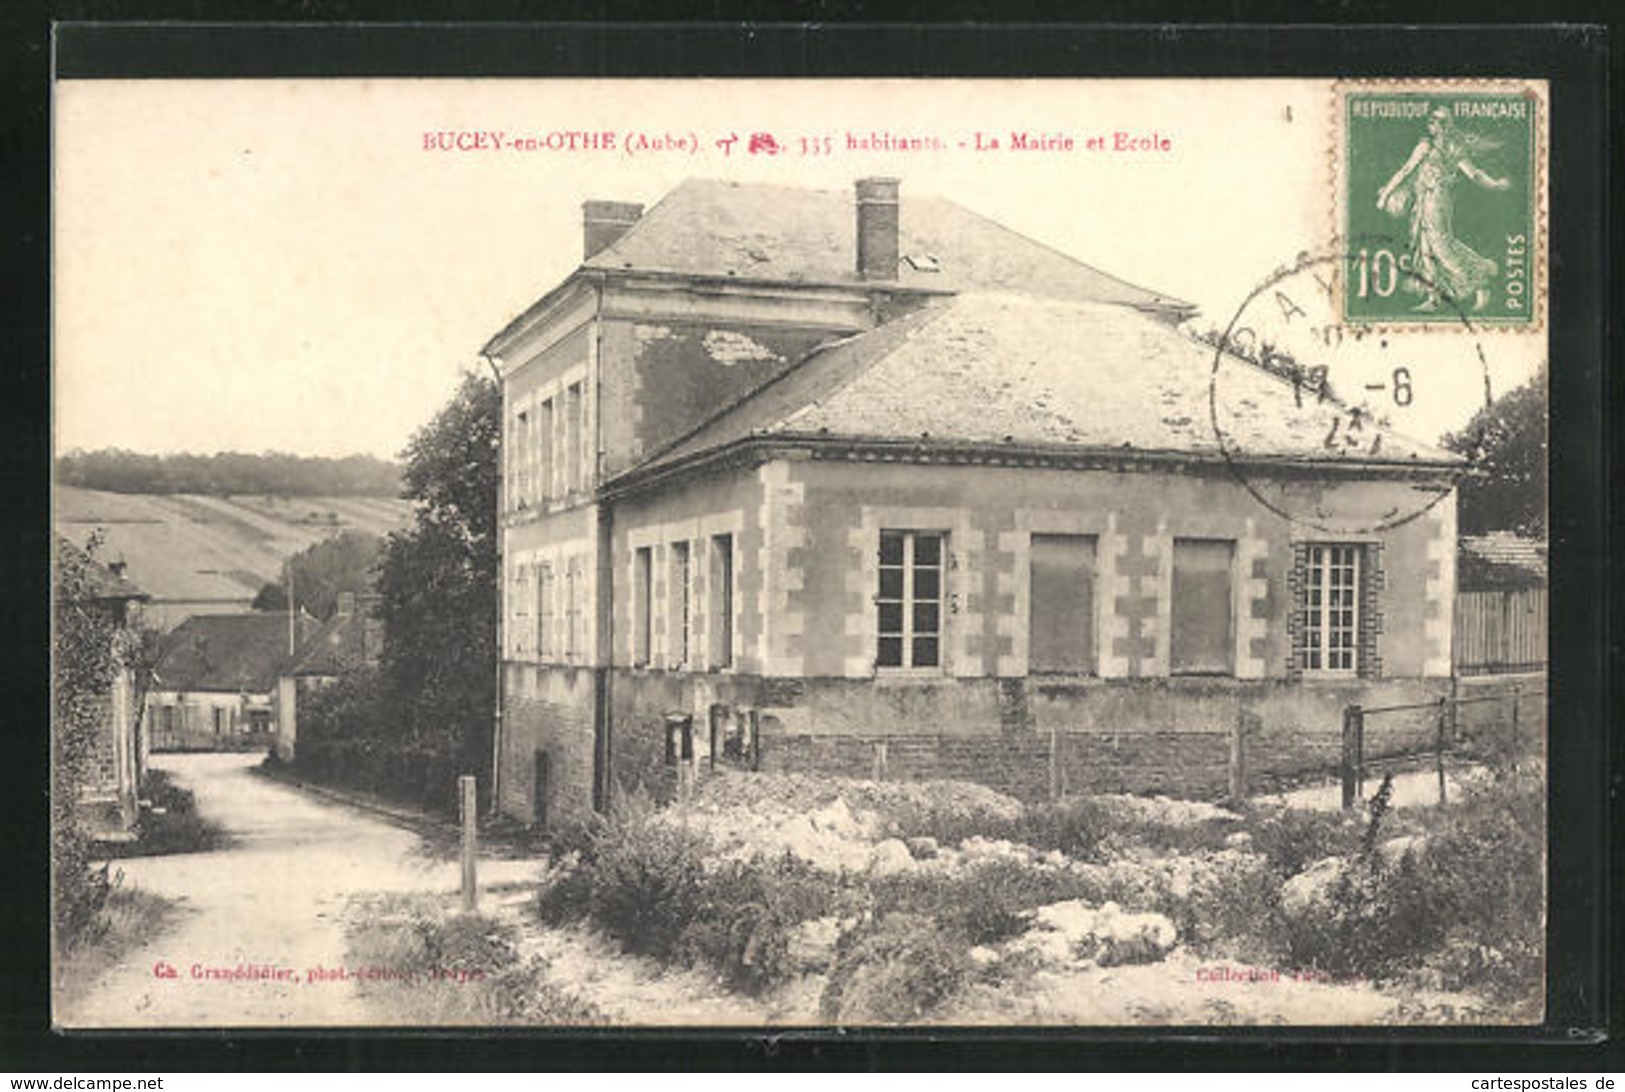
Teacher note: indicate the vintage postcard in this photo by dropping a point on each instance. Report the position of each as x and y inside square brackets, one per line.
[767, 553]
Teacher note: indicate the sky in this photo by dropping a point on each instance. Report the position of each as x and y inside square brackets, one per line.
[284, 265]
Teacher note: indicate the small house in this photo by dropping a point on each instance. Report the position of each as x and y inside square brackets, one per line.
[214, 687]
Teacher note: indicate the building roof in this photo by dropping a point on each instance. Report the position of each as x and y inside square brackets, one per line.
[101, 583]
[998, 369]
[229, 652]
[706, 227]
[343, 643]
[1501, 558]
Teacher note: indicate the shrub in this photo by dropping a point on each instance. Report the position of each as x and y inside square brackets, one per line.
[1292, 839]
[746, 914]
[172, 823]
[641, 879]
[901, 968]
[985, 904]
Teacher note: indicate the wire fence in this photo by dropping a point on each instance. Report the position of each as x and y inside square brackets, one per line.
[1501, 727]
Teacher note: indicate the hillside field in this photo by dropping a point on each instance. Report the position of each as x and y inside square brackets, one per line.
[212, 553]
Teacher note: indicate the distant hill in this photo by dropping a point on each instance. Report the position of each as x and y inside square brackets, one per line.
[211, 555]
[227, 473]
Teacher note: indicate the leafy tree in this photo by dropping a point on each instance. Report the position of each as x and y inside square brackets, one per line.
[1506, 444]
[438, 581]
[270, 597]
[345, 562]
[83, 662]
[228, 472]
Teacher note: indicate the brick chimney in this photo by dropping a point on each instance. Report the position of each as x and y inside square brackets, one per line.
[603, 222]
[877, 229]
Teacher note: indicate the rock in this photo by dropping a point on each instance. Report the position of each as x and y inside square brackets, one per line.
[812, 944]
[1239, 840]
[1105, 934]
[1394, 849]
[890, 857]
[983, 956]
[1303, 891]
[924, 849]
[837, 818]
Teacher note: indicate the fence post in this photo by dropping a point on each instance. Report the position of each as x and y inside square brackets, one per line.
[1054, 762]
[1517, 694]
[1438, 757]
[1353, 760]
[1238, 759]
[469, 807]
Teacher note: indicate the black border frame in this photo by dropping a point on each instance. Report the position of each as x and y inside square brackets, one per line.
[1574, 58]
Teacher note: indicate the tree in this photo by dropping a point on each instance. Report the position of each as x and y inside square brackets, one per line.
[438, 581]
[1506, 444]
[345, 562]
[83, 662]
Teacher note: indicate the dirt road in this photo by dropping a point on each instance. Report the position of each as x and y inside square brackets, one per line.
[261, 915]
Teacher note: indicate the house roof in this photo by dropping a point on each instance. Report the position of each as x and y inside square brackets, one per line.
[706, 227]
[1501, 558]
[228, 652]
[343, 643]
[1000, 369]
[101, 583]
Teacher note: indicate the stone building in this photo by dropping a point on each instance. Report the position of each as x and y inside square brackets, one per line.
[873, 485]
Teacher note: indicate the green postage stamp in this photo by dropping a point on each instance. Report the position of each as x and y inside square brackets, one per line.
[1441, 203]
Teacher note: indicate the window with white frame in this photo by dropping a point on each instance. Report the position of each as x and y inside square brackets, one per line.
[574, 477]
[544, 612]
[544, 451]
[720, 612]
[572, 610]
[1331, 608]
[681, 605]
[908, 603]
[642, 605]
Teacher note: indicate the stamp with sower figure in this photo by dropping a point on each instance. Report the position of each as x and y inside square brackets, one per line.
[1440, 203]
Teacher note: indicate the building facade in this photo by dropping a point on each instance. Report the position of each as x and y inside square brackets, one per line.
[808, 480]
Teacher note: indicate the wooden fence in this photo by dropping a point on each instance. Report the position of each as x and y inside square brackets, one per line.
[1500, 631]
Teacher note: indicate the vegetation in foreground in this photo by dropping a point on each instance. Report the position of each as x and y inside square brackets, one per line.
[945, 897]
[421, 963]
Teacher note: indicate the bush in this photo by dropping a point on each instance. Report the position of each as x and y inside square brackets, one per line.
[746, 914]
[640, 879]
[902, 968]
[1467, 909]
[1292, 839]
[985, 904]
[171, 824]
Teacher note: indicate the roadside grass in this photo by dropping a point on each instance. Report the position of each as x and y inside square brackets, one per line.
[127, 919]
[170, 824]
[417, 961]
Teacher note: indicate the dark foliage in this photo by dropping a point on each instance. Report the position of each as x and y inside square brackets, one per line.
[899, 969]
[85, 657]
[1506, 443]
[347, 562]
[411, 728]
[438, 583]
[227, 472]
[170, 823]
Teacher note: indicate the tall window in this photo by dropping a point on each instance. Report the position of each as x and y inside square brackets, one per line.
[1061, 604]
[909, 602]
[574, 477]
[572, 609]
[544, 612]
[544, 450]
[1202, 610]
[680, 604]
[720, 587]
[1331, 607]
[642, 605]
[517, 458]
